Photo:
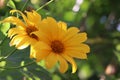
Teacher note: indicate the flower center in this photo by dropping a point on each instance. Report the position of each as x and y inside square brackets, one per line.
[57, 46]
[29, 31]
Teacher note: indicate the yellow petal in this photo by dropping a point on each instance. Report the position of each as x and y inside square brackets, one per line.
[50, 60]
[70, 59]
[51, 20]
[23, 43]
[32, 52]
[62, 25]
[42, 36]
[11, 32]
[63, 64]
[15, 21]
[23, 46]
[85, 48]
[44, 30]
[53, 30]
[28, 23]
[82, 37]
[34, 17]
[16, 40]
[61, 31]
[82, 48]
[77, 54]
[24, 17]
[43, 54]
[51, 27]
[36, 14]
[14, 31]
[20, 42]
[71, 33]
[39, 50]
[78, 38]
[38, 54]
[41, 45]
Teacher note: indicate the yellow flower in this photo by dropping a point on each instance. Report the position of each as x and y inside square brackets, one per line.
[23, 34]
[59, 44]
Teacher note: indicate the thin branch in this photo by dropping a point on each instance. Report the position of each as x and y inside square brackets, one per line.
[24, 5]
[45, 5]
[18, 67]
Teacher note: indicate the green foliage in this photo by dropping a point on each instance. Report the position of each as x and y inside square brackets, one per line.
[11, 4]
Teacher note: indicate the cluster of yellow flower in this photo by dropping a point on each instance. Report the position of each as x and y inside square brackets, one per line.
[48, 39]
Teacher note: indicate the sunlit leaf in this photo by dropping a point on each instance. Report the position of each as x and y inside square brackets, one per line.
[85, 71]
[117, 55]
[118, 47]
[4, 28]
[11, 4]
[69, 16]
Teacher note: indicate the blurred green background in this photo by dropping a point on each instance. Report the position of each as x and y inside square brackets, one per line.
[99, 18]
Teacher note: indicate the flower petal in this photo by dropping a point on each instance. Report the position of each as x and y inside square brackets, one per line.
[51, 60]
[23, 43]
[78, 38]
[82, 48]
[14, 31]
[61, 31]
[39, 50]
[77, 54]
[38, 54]
[53, 30]
[70, 33]
[63, 64]
[50, 26]
[15, 21]
[62, 25]
[16, 40]
[70, 59]
[42, 36]
[85, 48]
[81, 37]
[34, 17]
[41, 45]
[24, 17]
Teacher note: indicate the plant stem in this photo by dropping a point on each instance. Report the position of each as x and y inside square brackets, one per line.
[3, 40]
[10, 53]
[24, 5]
[3, 58]
[45, 5]
[18, 67]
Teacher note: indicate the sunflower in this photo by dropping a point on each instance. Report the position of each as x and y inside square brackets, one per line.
[59, 45]
[23, 34]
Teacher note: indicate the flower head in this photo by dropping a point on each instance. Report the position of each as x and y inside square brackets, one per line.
[59, 44]
[23, 34]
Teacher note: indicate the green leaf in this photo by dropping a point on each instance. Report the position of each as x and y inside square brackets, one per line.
[85, 71]
[118, 47]
[11, 4]
[117, 55]
[39, 72]
[69, 16]
[4, 28]
[5, 48]
[1, 34]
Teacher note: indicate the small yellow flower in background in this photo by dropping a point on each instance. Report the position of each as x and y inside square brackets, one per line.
[59, 44]
[23, 34]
